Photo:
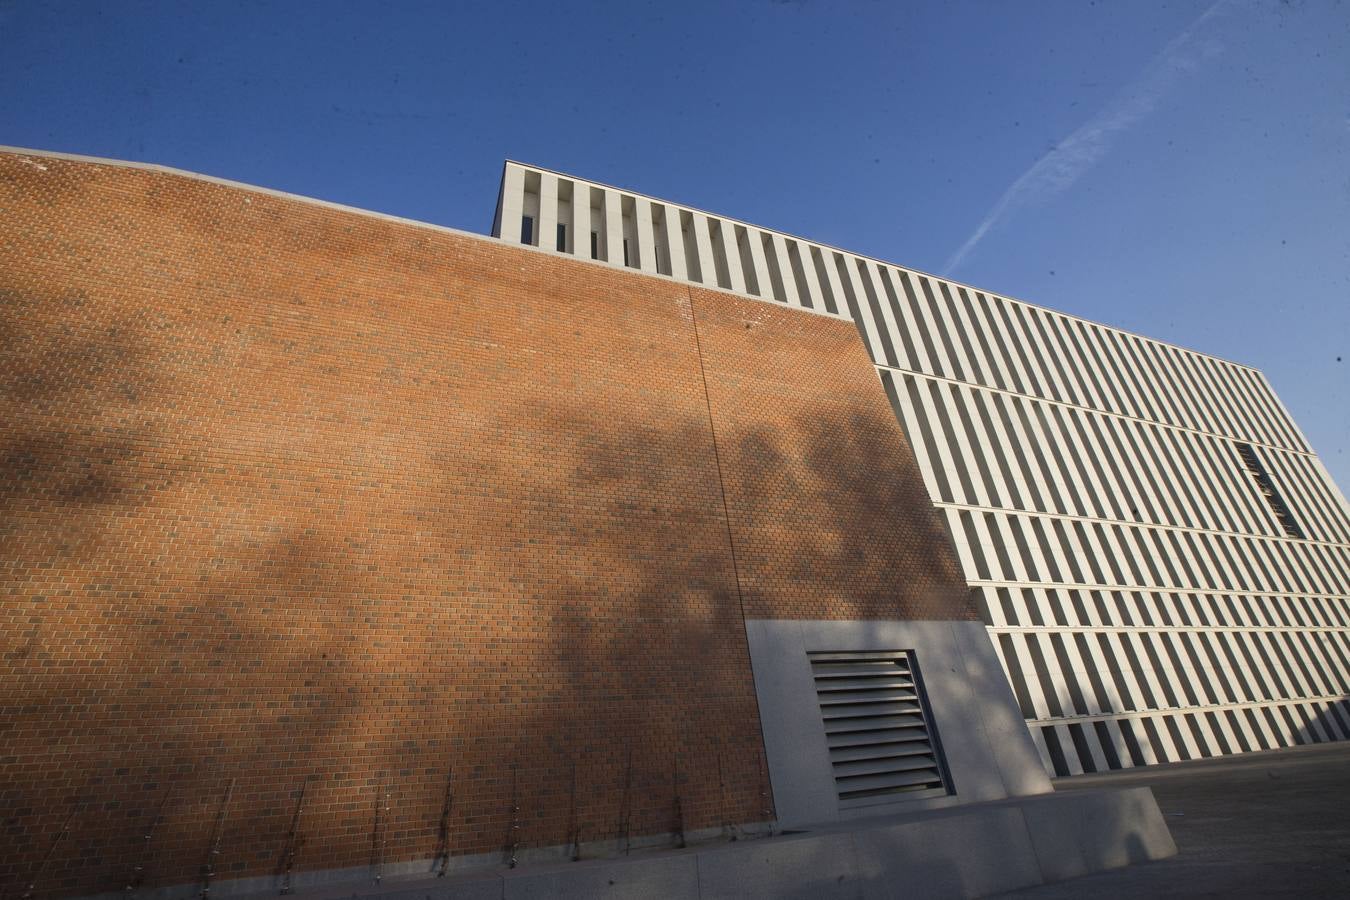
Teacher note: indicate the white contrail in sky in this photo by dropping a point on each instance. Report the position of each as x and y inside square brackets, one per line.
[1058, 169]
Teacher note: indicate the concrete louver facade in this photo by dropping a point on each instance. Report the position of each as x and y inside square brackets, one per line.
[1161, 560]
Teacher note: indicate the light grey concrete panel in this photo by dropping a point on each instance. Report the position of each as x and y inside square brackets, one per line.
[988, 751]
[815, 867]
[886, 806]
[957, 855]
[794, 734]
[1053, 829]
[462, 887]
[1089, 831]
[406, 881]
[655, 877]
[1005, 729]
[1120, 828]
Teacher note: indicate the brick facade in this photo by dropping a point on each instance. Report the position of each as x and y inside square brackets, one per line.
[292, 496]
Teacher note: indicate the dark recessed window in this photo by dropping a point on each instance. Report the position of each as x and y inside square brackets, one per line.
[625, 251]
[595, 245]
[527, 230]
[1266, 488]
[562, 237]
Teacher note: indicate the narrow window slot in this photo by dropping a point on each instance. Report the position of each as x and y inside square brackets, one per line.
[775, 271]
[799, 275]
[1266, 488]
[752, 285]
[661, 238]
[719, 252]
[631, 241]
[823, 278]
[530, 210]
[692, 260]
[600, 220]
[567, 190]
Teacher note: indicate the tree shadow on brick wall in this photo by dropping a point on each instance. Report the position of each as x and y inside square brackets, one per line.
[73, 388]
[126, 705]
[571, 655]
[814, 511]
[73, 377]
[223, 702]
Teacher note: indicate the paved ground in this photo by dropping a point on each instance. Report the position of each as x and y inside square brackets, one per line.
[1271, 824]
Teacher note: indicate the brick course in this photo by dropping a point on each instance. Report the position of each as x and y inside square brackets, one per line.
[292, 495]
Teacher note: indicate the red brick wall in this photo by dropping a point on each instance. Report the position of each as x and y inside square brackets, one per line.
[290, 495]
[830, 517]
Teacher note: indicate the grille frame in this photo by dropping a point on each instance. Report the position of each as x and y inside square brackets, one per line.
[880, 735]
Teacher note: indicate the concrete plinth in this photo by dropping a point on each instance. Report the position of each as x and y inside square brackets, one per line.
[964, 851]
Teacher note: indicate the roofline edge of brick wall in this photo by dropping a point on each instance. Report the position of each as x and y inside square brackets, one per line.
[375, 214]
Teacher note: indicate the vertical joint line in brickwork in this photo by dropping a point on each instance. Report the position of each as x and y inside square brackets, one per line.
[731, 538]
[717, 457]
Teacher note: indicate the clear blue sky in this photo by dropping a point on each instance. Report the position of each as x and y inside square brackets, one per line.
[1179, 169]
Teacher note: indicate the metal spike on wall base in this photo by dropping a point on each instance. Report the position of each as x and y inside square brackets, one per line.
[675, 791]
[47, 857]
[293, 840]
[573, 832]
[379, 835]
[766, 805]
[138, 874]
[626, 807]
[442, 858]
[513, 833]
[727, 828]
[217, 836]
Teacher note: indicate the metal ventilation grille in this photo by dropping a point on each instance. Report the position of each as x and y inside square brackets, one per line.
[878, 726]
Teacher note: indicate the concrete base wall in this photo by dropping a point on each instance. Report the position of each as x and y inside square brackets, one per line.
[965, 851]
[989, 754]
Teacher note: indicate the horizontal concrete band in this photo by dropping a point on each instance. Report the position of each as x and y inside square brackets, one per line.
[965, 851]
